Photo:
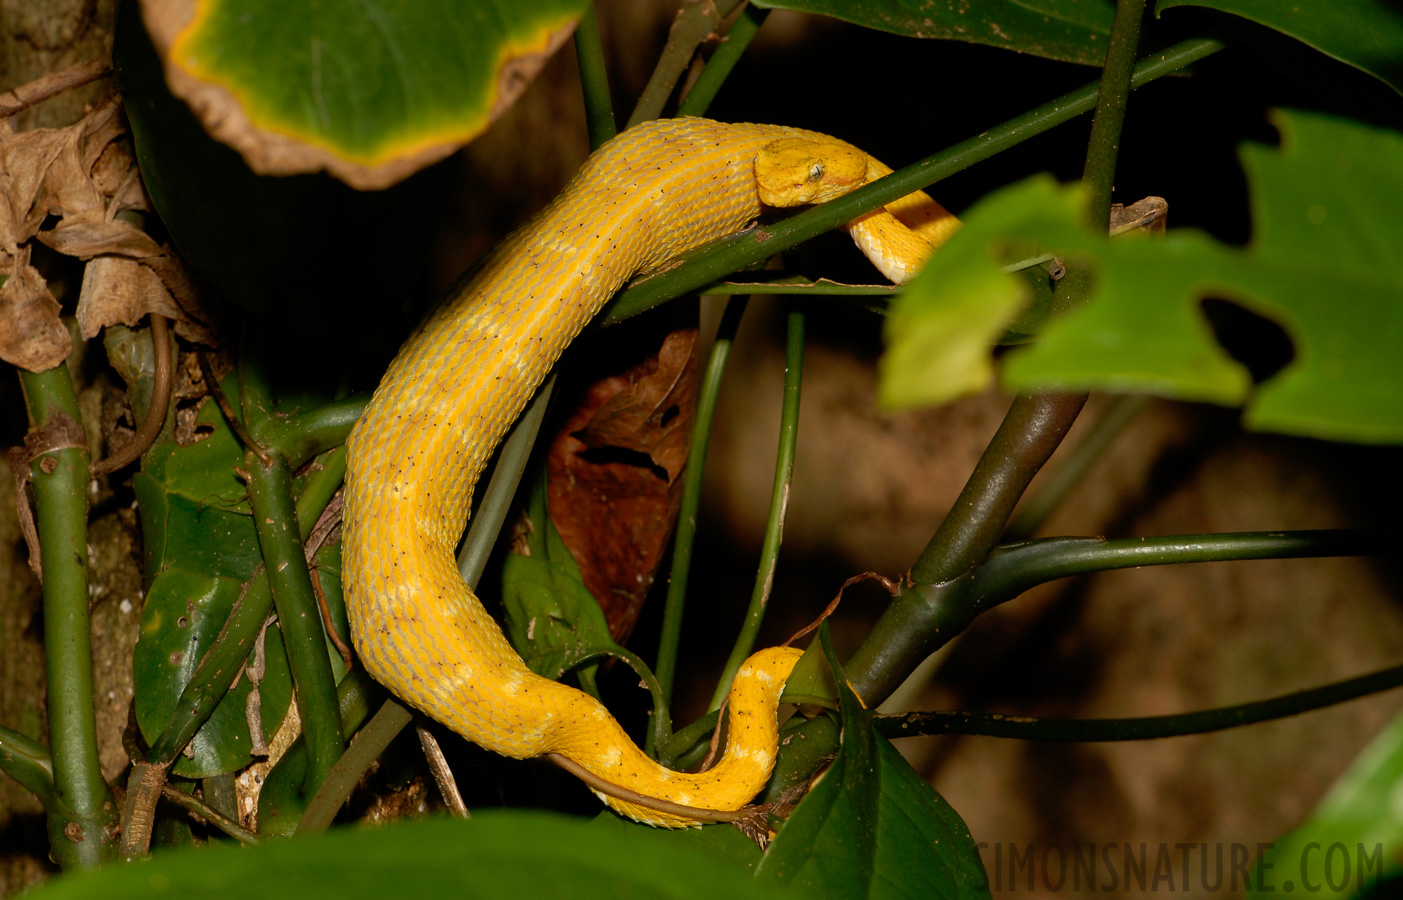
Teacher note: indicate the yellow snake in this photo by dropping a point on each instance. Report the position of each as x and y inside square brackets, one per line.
[646, 196]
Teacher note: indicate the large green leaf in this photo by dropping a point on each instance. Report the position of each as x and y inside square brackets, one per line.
[371, 90]
[551, 617]
[1321, 264]
[1069, 30]
[183, 615]
[495, 855]
[1353, 838]
[1366, 34]
[872, 828]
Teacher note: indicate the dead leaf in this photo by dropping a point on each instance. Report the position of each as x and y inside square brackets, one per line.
[613, 470]
[31, 334]
[87, 236]
[119, 291]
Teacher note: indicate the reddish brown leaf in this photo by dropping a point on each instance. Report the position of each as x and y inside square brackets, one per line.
[613, 472]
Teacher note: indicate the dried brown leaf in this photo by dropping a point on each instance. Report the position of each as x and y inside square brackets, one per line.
[612, 473]
[86, 236]
[120, 291]
[31, 334]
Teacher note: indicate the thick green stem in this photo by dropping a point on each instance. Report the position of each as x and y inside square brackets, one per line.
[215, 672]
[779, 502]
[594, 78]
[737, 38]
[682, 541]
[28, 762]
[80, 824]
[301, 436]
[694, 24]
[365, 748]
[299, 619]
[1100, 172]
[1058, 483]
[1142, 727]
[720, 258]
[1030, 432]
[496, 501]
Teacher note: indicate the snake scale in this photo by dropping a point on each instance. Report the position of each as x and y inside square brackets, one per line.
[646, 196]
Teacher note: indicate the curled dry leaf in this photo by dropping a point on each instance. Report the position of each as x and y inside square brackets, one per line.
[83, 176]
[613, 470]
[31, 334]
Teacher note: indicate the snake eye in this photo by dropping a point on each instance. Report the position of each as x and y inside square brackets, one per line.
[815, 171]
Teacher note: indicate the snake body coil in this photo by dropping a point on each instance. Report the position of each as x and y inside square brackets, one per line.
[648, 195]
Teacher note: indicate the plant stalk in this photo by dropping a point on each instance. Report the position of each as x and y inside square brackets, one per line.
[779, 502]
[82, 821]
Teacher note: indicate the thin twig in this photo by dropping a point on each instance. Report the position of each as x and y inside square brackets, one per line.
[892, 588]
[235, 423]
[695, 22]
[443, 775]
[51, 85]
[192, 804]
[1141, 727]
[155, 418]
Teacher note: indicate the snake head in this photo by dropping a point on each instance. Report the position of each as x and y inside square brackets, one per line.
[795, 170]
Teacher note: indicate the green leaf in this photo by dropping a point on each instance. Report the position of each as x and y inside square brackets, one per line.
[939, 329]
[371, 91]
[1353, 838]
[1321, 264]
[1366, 34]
[1069, 30]
[288, 246]
[496, 854]
[183, 615]
[872, 827]
[551, 617]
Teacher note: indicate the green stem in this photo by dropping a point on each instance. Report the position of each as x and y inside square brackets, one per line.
[1032, 429]
[1058, 483]
[496, 502]
[215, 672]
[779, 502]
[737, 38]
[209, 814]
[300, 436]
[1104, 145]
[594, 78]
[720, 258]
[682, 541]
[694, 24]
[1011, 570]
[299, 619]
[79, 825]
[798, 285]
[27, 761]
[365, 748]
[1143, 727]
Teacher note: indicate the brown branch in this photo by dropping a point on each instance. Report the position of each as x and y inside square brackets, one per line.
[51, 85]
[235, 423]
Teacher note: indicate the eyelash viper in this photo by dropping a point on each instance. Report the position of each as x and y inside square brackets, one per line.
[448, 398]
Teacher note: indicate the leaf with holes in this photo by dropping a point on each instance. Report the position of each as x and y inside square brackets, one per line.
[1321, 265]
